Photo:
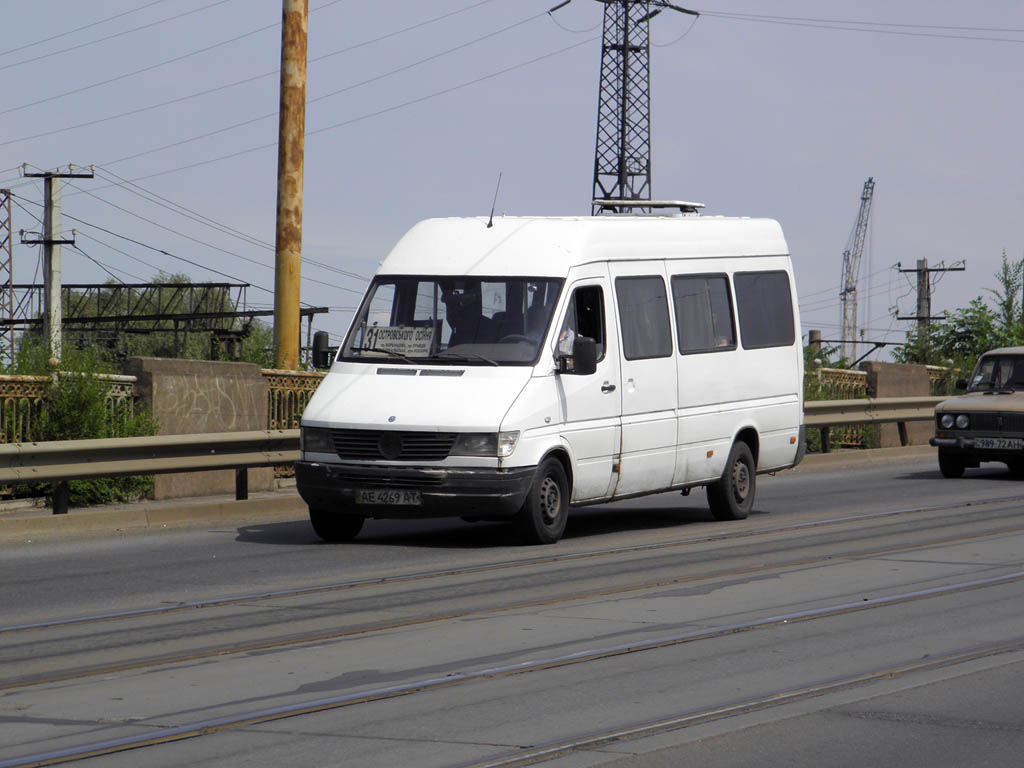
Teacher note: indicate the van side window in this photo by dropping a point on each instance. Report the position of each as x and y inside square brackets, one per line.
[703, 313]
[583, 317]
[766, 309]
[643, 313]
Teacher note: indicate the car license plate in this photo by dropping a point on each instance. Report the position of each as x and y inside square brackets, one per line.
[389, 497]
[999, 443]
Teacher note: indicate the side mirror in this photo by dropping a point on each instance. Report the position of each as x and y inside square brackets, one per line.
[583, 361]
[323, 352]
[961, 383]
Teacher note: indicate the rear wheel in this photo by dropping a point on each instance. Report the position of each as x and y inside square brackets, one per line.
[732, 497]
[950, 464]
[542, 517]
[334, 526]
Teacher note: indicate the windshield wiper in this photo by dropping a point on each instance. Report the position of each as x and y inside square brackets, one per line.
[391, 352]
[465, 357]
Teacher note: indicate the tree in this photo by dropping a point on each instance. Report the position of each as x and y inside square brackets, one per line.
[965, 334]
[1008, 305]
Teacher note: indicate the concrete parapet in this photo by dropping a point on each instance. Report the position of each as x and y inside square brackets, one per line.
[195, 396]
[900, 380]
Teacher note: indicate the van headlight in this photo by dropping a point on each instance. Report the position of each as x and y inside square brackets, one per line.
[315, 440]
[499, 444]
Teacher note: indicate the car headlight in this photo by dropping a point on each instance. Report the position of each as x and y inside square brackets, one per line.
[946, 421]
[492, 444]
[315, 440]
[962, 422]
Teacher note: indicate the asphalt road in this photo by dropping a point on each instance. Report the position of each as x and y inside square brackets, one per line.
[867, 613]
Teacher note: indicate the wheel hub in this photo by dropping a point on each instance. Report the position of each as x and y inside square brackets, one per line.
[550, 500]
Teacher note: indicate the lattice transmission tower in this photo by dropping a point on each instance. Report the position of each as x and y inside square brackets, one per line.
[622, 156]
[6, 278]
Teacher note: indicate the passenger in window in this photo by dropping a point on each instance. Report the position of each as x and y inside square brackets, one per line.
[567, 335]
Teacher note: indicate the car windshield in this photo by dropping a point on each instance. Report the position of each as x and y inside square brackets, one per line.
[453, 320]
[998, 372]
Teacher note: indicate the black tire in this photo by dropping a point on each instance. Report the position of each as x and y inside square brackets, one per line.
[732, 497]
[950, 464]
[334, 526]
[542, 517]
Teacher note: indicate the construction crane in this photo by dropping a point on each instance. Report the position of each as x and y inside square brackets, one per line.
[851, 269]
[622, 154]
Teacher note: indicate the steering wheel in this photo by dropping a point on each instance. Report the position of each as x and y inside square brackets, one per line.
[515, 337]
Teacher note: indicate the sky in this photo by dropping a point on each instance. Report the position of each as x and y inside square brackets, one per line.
[777, 108]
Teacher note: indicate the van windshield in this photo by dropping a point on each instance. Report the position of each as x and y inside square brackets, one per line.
[999, 372]
[453, 320]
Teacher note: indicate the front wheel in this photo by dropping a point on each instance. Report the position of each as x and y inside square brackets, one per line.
[334, 526]
[542, 517]
[950, 464]
[732, 497]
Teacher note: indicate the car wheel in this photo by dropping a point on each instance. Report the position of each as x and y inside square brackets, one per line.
[950, 464]
[732, 497]
[542, 517]
[334, 526]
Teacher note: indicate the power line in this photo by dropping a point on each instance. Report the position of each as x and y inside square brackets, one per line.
[193, 239]
[157, 65]
[112, 36]
[331, 94]
[236, 83]
[80, 29]
[100, 265]
[370, 115]
[865, 26]
[217, 226]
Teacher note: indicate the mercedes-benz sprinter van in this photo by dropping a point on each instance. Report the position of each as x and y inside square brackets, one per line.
[514, 370]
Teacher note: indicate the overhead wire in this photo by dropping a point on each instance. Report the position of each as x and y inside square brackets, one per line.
[205, 243]
[101, 265]
[863, 26]
[213, 224]
[369, 115]
[331, 94]
[81, 28]
[114, 35]
[157, 65]
[243, 81]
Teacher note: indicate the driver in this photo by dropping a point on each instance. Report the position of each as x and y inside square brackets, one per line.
[463, 311]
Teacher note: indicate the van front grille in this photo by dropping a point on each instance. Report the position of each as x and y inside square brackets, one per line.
[376, 444]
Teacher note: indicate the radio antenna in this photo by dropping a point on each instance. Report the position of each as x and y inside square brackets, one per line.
[490, 221]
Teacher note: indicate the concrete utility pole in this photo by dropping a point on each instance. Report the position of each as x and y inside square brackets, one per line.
[51, 242]
[290, 153]
[924, 292]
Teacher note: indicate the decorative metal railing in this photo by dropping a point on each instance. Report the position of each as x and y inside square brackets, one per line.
[287, 395]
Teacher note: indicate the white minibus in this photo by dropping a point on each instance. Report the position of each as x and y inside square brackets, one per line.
[514, 368]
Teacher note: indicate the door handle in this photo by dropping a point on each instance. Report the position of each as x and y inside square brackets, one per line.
[606, 387]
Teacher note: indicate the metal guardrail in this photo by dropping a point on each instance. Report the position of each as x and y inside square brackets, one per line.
[60, 461]
[63, 460]
[870, 410]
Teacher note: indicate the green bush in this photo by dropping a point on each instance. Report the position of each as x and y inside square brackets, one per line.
[77, 409]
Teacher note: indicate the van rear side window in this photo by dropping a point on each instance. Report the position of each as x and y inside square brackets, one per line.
[643, 313]
[765, 308]
[703, 313]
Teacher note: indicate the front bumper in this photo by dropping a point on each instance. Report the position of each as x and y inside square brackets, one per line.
[486, 494]
[966, 447]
